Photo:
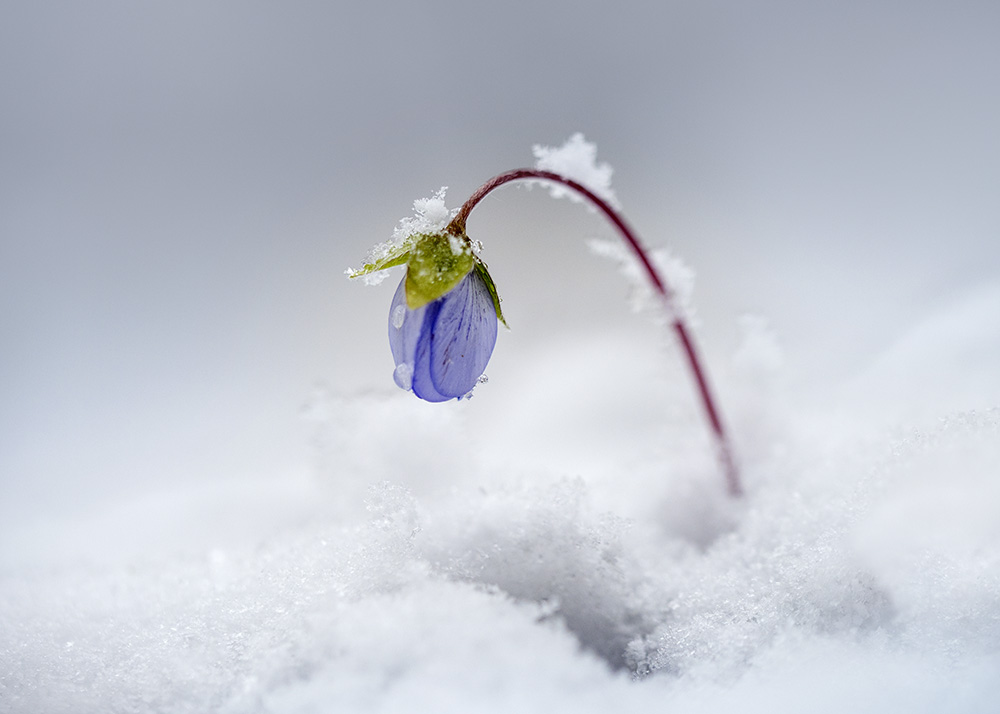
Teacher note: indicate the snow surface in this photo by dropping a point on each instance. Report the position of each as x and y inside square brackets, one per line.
[443, 559]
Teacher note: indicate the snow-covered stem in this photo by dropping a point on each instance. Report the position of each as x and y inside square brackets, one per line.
[723, 443]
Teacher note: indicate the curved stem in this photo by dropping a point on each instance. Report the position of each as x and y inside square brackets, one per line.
[723, 444]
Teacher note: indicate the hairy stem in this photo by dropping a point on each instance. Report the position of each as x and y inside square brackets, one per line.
[721, 436]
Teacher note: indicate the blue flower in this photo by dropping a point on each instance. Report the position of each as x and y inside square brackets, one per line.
[441, 349]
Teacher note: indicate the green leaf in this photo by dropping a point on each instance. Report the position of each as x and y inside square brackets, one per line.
[492, 288]
[437, 263]
[395, 255]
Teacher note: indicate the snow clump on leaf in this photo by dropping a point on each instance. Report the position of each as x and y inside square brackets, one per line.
[431, 216]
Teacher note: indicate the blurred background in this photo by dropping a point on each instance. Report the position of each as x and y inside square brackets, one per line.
[183, 184]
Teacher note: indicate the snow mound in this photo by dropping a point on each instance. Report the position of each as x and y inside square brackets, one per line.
[544, 545]
[860, 575]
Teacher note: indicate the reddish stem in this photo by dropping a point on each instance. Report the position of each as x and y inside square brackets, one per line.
[723, 444]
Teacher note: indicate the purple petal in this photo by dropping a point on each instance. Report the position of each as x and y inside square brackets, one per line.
[404, 331]
[422, 384]
[441, 349]
[463, 334]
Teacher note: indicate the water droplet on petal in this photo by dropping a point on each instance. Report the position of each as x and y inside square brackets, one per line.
[403, 375]
[483, 379]
[398, 316]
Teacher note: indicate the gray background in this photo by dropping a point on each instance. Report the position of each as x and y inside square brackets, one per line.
[182, 185]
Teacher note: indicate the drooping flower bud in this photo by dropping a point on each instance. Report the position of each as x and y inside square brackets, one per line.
[441, 349]
[443, 317]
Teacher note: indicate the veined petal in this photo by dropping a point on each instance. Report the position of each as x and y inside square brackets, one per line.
[422, 382]
[462, 336]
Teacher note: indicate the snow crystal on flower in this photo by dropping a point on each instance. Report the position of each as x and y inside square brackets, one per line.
[431, 215]
[576, 160]
[369, 278]
[398, 316]
[457, 245]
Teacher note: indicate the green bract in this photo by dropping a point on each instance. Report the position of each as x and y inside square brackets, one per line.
[390, 256]
[435, 264]
[492, 288]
